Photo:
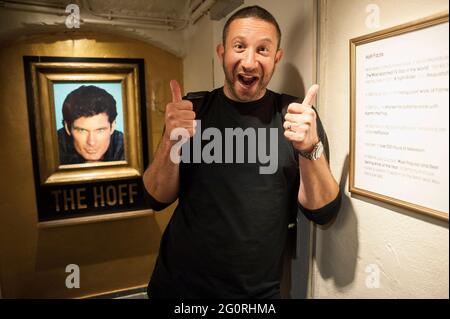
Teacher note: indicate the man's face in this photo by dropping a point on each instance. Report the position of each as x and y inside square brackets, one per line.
[249, 58]
[91, 136]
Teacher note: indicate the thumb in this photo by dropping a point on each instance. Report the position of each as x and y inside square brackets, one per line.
[310, 97]
[176, 91]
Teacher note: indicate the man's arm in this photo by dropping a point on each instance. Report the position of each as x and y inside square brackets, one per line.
[317, 185]
[162, 179]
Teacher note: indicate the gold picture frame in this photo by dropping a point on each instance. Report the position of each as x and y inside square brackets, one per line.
[44, 76]
[85, 188]
[397, 33]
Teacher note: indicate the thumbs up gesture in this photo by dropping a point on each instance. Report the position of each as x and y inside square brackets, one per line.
[179, 113]
[300, 122]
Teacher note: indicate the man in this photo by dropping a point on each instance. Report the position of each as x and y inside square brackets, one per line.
[227, 234]
[89, 134]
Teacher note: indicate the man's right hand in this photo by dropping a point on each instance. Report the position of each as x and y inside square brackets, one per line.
[179, 113]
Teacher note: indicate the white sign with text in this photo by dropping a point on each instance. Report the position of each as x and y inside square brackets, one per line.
[402, 117]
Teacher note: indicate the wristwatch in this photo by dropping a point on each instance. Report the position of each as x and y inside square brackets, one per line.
[315, 154]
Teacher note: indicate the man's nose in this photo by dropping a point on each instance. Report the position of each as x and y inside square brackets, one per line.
[249, 62]
[91, 139]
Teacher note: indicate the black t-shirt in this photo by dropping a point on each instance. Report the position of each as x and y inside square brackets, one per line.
[227, 234]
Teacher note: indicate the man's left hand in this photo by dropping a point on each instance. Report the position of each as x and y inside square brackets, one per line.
[300, 122]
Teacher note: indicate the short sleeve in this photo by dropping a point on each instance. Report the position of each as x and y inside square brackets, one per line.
[325, 214]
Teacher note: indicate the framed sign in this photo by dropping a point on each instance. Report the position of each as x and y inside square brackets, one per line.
[88, 132]
[399, 135]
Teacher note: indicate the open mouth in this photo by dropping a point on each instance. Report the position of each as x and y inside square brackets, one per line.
[247, 80]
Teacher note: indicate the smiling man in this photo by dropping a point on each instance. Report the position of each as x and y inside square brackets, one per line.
[253, 51]
[227, 234]
[89, 133]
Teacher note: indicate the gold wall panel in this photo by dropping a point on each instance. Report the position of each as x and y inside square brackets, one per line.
[113, 255]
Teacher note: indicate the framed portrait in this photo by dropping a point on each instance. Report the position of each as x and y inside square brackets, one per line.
[88, 133]
[399, 115]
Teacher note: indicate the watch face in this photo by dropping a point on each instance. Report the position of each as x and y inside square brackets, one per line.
[318, 150]
[315, 153]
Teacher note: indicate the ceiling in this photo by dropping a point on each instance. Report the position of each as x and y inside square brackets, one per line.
[168, 13]
[136, 7]
[156, 21]
[161, 8]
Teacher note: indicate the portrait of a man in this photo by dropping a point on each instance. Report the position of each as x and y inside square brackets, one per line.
[89, 133]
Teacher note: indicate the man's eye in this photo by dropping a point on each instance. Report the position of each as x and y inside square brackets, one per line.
[101, 130]
[80, 130]
[238, 46]
[263, 49]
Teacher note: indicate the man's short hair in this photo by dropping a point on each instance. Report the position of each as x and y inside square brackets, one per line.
[87, 101]
[252, 12]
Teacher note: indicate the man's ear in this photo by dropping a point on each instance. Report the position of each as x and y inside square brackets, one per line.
[67, 128]
[113, 127]
[220, 51]
[278, 55]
